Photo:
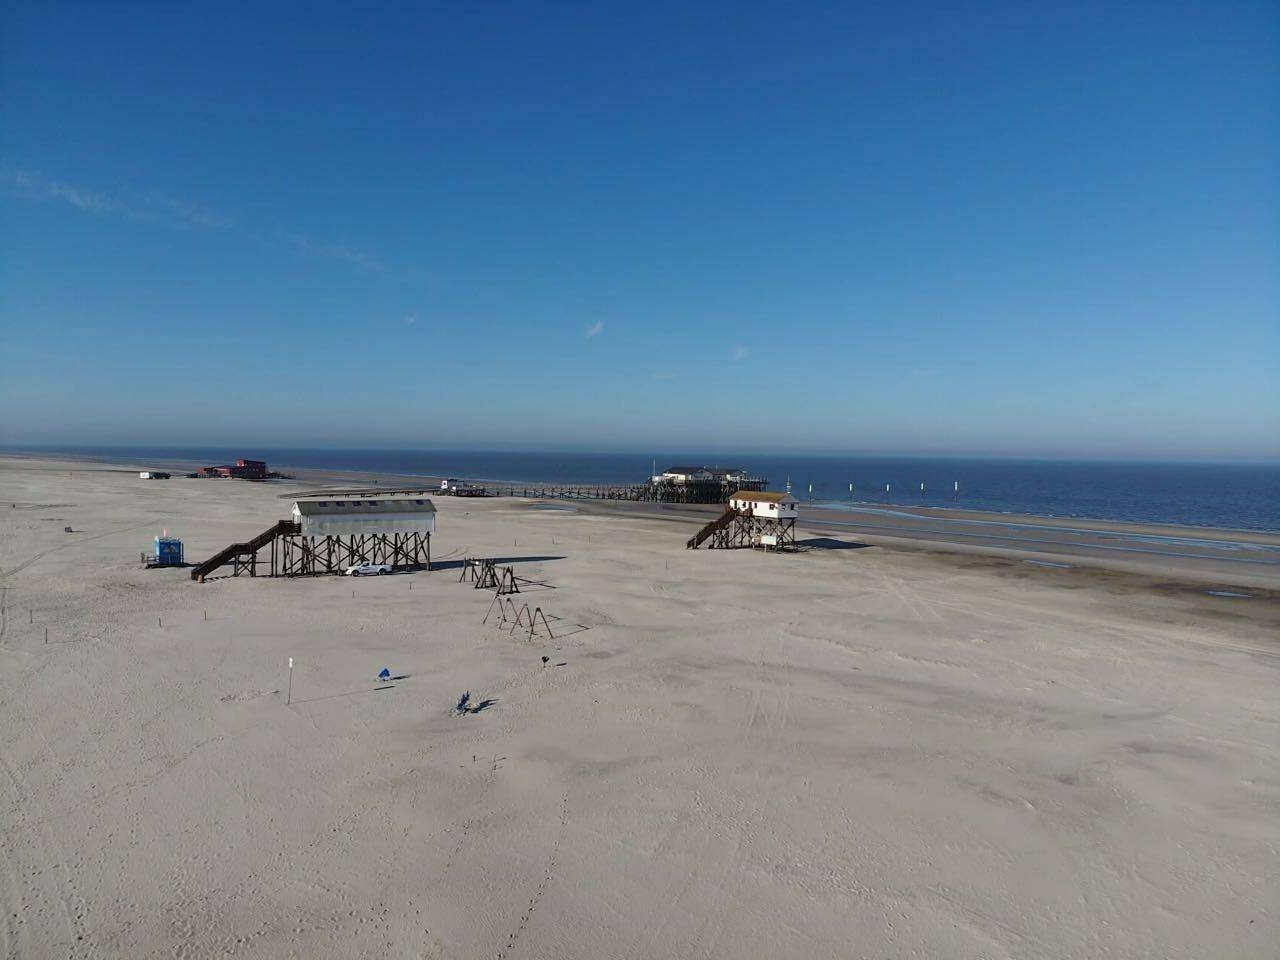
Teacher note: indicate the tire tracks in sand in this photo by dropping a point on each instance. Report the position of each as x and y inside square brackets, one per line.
[35, 557]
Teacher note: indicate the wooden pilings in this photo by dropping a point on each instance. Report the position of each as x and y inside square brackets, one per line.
[309, 556]
[737, 529]
[511, 616]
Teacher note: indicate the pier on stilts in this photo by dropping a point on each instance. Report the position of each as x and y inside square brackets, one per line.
[283, 551]
[309, 556]
[692, 491]
[330, 536]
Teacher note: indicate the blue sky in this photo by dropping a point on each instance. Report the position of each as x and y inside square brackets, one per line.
[1009, 229]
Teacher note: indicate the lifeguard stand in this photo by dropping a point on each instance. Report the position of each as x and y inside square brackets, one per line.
[752, 518]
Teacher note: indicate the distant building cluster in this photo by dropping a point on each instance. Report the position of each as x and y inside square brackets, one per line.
[688, 484]
[686, 474]
[240, 470]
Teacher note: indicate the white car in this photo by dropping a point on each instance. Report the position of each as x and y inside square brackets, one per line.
[368, 569]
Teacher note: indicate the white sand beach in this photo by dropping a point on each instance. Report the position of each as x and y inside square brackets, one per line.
[853, 751]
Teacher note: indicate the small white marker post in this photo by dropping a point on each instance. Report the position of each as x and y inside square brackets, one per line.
[956, 494]
[288, 697]
[851, 491]
[886, 493]
[922, 489]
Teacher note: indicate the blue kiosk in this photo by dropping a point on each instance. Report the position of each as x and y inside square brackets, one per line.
[168, 552]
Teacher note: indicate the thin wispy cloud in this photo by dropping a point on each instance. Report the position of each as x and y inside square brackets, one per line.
[410, 320]
[162, 206]
[331, 251]
[739, 352]
[152, 206]
[35, 186]
[157, 207]
[595, 329]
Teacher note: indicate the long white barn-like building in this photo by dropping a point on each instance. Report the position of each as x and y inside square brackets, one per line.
[357, 517]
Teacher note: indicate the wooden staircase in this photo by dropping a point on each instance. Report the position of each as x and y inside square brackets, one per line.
[719, 523]
[245, 554]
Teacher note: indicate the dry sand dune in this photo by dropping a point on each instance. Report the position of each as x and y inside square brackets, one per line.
[845, 753]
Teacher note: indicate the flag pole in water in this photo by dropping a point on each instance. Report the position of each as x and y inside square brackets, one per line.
[289, 696]
[922, 488]
[851, 491]
[886, 493]
[956, 495]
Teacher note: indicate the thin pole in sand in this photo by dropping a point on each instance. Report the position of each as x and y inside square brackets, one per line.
[31, 616]
[288, 697]
[159, 623]
[46, 634]
[206, 614]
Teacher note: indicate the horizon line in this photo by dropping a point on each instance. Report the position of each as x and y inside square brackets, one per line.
[248, 448]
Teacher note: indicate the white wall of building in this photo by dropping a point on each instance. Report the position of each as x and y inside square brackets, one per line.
[759, 508]
[348, 525]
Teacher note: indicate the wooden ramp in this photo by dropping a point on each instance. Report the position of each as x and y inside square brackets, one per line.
[719, 523]
[245, 555]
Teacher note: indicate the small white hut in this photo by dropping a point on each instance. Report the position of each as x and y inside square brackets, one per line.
[765, 504]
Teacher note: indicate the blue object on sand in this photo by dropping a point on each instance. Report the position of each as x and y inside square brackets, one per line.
[168, 551]
[384, 674]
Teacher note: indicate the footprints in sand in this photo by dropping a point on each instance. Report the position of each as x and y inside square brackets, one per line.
[548, 874]
[244, 695]
[45, 886]
[452, 858]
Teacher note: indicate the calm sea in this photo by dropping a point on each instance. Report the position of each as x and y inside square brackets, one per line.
[1214, 495]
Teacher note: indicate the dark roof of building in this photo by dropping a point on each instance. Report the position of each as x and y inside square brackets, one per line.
[361, 507]
[762, 496]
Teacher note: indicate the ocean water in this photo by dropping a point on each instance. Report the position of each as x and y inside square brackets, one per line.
[1244, 496]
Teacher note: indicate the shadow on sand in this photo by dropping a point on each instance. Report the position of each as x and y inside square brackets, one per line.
[349, 693]
[830, 543]
[502, 561]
